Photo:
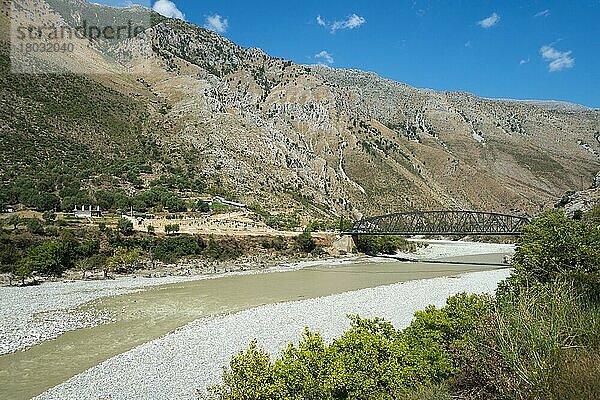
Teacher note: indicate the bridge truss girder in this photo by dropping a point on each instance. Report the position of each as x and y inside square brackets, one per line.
[446, 223]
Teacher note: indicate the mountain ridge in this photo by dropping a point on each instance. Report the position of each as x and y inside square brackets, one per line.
[291, 138]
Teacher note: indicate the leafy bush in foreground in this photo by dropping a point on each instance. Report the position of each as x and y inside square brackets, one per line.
[524, 347]
[372, 360]
[553, 245]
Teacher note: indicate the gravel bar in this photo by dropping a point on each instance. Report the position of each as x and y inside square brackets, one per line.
[34, 314]
[192, 358]
[31, 315]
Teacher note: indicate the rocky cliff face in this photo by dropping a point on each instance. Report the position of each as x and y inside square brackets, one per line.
[327, 141]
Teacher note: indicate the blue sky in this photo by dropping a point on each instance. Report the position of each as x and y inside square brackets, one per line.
[507, 49]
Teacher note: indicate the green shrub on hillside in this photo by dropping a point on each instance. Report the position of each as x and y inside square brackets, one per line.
[172, 248]
[278, 243]
[35, 226]
[125, 226]
[223, 249]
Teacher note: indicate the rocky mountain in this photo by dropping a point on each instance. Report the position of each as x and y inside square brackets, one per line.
[286, 137]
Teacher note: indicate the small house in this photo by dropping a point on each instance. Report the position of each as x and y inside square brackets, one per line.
[87, 212]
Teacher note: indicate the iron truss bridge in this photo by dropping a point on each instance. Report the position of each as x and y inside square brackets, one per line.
[446, 223]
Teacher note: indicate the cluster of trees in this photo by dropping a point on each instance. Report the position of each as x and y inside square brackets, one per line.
[539, 337]
[155, 198]
[173, 248]
[47, 196]
[22, 256]
[383, 244]
[31, 247]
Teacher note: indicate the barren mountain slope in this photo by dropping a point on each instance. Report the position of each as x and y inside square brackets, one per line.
[288, 137]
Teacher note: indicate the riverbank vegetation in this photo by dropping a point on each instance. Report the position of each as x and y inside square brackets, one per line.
[537, 338]
[32, 250]
[389, 245]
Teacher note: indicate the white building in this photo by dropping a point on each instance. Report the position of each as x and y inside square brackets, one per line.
[87, 212]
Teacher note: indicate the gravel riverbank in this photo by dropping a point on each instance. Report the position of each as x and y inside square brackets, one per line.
[34, 314]
[190, 359]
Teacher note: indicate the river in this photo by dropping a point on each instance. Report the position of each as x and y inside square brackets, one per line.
[144, 316]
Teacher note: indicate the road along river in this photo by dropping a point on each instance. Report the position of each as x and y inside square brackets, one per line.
[145, 316]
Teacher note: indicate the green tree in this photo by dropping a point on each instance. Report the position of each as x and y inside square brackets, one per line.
[24, 270]
[45, 202]
[9, 258]
[49, 216]
[306, 242]
[171, 228]
[552, 245]
[121, 259]
[173, 203]
[382, 244]
[49, 258]
[125, 226]
[35, 226]
[88, 249]
[202, 206]
[93, 263]
[250, 376]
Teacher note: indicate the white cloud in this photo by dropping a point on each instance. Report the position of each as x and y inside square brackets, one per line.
[490, 21]
[352, 22]
[168, 9]
[544, 13]
[558, 60]
[324, 58]
[468, 43]
[216, 23]
[524, 61]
